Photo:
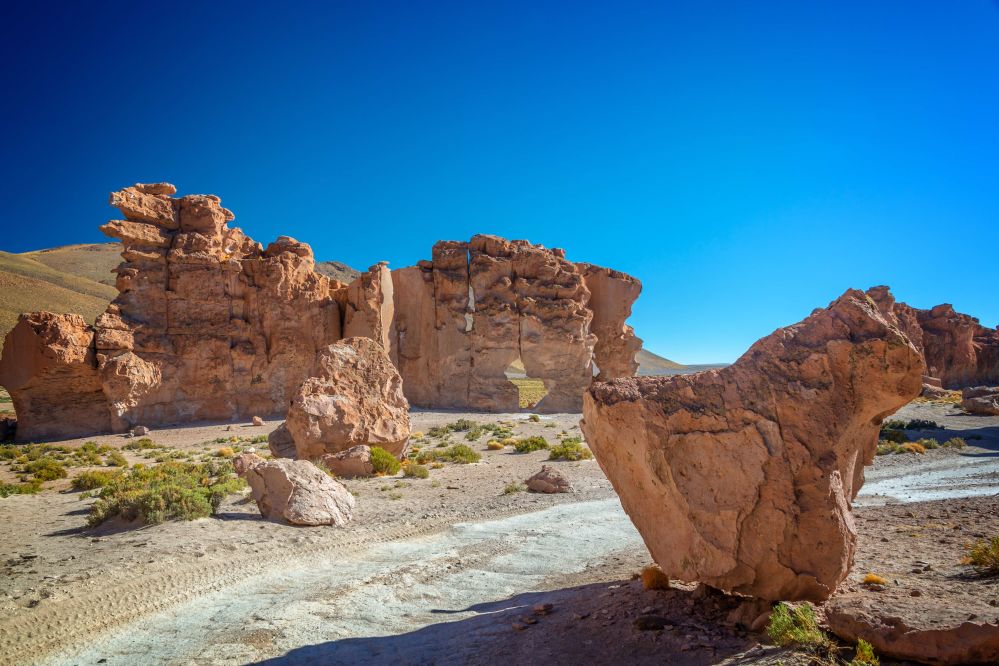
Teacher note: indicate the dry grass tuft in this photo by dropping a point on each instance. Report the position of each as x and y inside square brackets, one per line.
[653, 578]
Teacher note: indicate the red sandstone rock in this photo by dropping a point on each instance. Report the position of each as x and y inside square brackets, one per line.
[296, 491]
[611, 295]
[742, 478]
[981, 400]
[354, 398]
[549, 480]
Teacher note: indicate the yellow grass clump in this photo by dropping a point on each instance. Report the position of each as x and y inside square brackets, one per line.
[653, 578]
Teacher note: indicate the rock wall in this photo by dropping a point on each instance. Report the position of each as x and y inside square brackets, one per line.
[209, 325]
[958, 350]
[742, 478]
[463, 317]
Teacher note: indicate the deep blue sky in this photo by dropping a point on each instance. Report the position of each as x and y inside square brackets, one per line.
[749, 161]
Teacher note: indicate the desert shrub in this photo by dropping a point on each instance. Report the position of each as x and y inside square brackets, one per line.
[571, 448]
[29, 488]
[46, 469]
[416, 435]
[885, 448]
[171, 491]
[921, 424]
[864, 655]
[384, 462]
[494, 445]
[795, 626]
[416, 471]
[142, 445]
[514, 487]
[474, 433]
[438, 431]
[955, 443]
[896, 436]
[984, 555]
[92, 479]
[535, 418]
[929, 443]
[893, 424]
[498, 430]
[9, 452]
[115, 459]
[653, 578]
[459, 453]
[874, 579]
[258, 439]
[225, 452]
[529, 444]
[912, 447]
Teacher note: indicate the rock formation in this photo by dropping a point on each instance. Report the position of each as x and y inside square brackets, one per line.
[742, 478]
[462, 318]
[353, 398]
[296, 491]
[981, 400]
[352, 462]
[209, 325]
[957, 349]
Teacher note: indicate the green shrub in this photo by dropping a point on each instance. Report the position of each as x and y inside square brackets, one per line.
[529, 444]
[115, 459]
[514, 487]
[474, 433]
[984, 555]
[885, 447]
[893, 424]
[92, 479]
[929, 443]
[570, 448]
[459, 453]
[795, 626]
[864, 655]
[921, 424]
[29, 488]
[494, 445]
[46, 469]
[896, 436]
[384, 462]
[141, 445]
[416, 471]
[955, 443]
[534, 418]
[171, 491]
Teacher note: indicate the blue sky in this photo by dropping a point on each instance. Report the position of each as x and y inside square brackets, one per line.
[747, 161]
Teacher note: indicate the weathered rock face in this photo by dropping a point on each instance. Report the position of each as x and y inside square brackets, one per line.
[352, 462]
[462, 318]
[54, 383]
[296, 491]
[207, 325]
[958, 350]
[742, 478]
[354, 398]
[981, 400]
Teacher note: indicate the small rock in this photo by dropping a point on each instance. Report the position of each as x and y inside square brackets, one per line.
[518, 626]
[257, 421]
[542, 609]
[139, 431]
[915, 593]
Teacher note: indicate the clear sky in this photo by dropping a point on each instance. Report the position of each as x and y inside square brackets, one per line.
[748, 161]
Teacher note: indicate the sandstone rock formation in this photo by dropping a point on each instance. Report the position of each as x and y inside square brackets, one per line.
[296, 491]
[209, 325]
[352, 462]
[981, 400]
[354, 398]
[957, 349]
[742, 478]
[281, 443]
[549, 480]
[464, 317]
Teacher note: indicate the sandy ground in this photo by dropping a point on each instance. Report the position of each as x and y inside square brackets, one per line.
[440, 570]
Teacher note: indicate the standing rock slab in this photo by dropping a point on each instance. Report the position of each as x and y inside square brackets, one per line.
[296, 491]
[355, 398]
[742, 478]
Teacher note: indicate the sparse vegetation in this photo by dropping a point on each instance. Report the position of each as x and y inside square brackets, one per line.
[514, 487]
[415, 470]
[458, 453]
[570, 448]
[115, 459]
[91, 479]
[956, 442]
[28, 488]
[984, 555]
[529, 444]
[494, 445]
[171, 491]
[142, 445]
[893, 436]
[383, 462]
[874, 579]
[912, 447]
[225, 452]
[534, 418]
[653, 578]
[46, 469]
[796, 626]
[864, 655]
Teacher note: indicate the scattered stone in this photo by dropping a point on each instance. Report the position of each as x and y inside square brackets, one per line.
[295, 490]
[753, 467]
[353, 462]
[542, 609]
[549, 480]
[139, 431]
[257, 421]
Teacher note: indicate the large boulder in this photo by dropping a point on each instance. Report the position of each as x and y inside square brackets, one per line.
[352, 462]
[742, 478]
[981, 400]
[548, 480]
[354, 398]
[296, 491]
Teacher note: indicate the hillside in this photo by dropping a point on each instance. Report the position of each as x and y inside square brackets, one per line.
[337, 270]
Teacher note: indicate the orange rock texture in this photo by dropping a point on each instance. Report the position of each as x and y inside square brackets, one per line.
[742, 478]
